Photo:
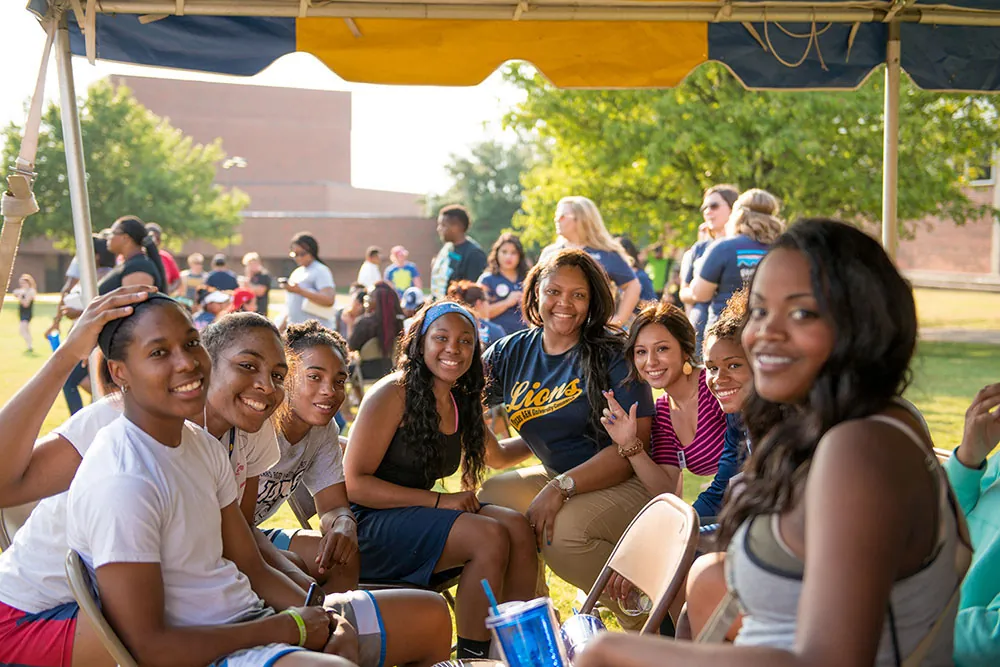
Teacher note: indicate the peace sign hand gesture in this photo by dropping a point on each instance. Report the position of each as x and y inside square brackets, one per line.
[619, 424]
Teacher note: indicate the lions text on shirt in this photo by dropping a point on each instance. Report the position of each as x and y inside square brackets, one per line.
[135, 500]
[545, 396]
[32, 570]
[316, 460]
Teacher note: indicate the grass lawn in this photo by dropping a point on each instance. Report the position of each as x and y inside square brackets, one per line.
[945, 378]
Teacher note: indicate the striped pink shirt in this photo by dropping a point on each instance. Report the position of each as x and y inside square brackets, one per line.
[701, 456]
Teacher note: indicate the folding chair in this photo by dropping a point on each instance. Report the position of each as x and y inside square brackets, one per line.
[304, 509]
[942, 454]
[655, 554]
[11, 520]
[86, 596]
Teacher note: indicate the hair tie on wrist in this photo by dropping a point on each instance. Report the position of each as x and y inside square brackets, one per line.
[437, 500]
[300, 622]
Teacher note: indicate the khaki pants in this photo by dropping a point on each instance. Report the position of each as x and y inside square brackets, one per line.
[587, 528]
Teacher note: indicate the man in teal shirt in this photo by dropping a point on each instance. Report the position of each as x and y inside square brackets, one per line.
[976, 482]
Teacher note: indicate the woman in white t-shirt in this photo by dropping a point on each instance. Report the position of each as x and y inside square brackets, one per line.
[31, 572]
[308, 439]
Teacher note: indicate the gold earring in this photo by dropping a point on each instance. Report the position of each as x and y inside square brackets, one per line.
[687, 368]
[124, 389]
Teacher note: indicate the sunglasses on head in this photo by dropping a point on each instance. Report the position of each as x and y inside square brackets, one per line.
[298, 253]
[711, 206]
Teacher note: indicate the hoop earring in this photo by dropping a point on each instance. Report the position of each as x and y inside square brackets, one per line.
[687, 369]
[124, 389]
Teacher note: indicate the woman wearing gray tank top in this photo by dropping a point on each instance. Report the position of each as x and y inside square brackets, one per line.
[830, 333]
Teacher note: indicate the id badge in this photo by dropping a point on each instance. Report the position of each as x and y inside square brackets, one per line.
[681, 461]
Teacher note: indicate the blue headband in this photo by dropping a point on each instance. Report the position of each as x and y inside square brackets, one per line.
[443, 308]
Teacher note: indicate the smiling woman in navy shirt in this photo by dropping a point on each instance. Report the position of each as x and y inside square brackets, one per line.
[550, 378]
[506, 268]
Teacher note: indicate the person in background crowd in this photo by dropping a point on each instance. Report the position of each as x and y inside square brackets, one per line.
[413, 299]
[460, 258]
[171, 274]
[370, 271]
[346, 317]
[473, 295]
[648, 292]
[243, 300]
[142, 265]
[71, 306]
[579, 225]
[258, 280]
[658, 266]
[844, 546]
[377, 333]
[506, 268]
[414, 427]
[221, 278]
[193, 277]
[310, 287]
[402, 273]
[213, 304]
[728, 263]
[976, 481]
[26, 292]
[550, 379]
[716, 206]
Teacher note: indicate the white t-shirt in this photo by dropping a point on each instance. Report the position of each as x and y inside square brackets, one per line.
[369, 274]
[134, 500]
[32, 570]
[316, 460]
[316, 277]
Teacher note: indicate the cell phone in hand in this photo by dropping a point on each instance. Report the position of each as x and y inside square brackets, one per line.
[315, 596]
[282, 282]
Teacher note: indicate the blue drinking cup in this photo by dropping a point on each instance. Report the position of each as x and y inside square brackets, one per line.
[527, 634]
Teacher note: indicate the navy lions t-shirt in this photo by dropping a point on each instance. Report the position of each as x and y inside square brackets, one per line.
[545, 396]
[500, 288]
[729, 263]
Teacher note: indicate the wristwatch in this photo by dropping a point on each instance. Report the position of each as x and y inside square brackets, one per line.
[565, 484]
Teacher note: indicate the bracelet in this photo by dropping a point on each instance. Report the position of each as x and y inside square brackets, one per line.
[631, 450]
[297, 617]
[350, 517]
[437, 500]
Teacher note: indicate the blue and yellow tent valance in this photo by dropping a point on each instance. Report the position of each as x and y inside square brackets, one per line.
[774, 44]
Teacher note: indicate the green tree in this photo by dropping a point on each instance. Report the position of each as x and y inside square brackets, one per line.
[645, 156]
[136, 164]
[488, 183]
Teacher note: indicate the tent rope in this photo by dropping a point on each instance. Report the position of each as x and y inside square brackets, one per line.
[812, 37]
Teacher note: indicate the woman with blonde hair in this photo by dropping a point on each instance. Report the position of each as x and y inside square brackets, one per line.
[728, 263]
[579, 225]
[25, 293]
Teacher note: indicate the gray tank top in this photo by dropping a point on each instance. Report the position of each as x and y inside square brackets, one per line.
[767, 579]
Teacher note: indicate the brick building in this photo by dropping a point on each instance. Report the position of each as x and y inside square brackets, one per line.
[294, 150]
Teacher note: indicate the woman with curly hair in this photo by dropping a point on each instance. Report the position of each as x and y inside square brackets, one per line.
[375, 335]
[844, 545]
[729, 262]
[310, 454]
[550, 379]
[413, 428]
[506, 268]
[579, 225]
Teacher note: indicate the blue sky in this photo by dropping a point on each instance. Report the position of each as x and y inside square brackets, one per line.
[422, 126]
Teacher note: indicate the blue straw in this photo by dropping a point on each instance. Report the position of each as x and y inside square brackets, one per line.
[489, 596]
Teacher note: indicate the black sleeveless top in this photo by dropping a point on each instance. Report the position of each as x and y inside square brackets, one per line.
[399, 465]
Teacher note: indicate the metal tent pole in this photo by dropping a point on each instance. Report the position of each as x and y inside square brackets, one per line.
[77, 178]
[890, 145]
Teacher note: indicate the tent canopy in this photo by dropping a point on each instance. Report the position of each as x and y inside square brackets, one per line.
[772, 44]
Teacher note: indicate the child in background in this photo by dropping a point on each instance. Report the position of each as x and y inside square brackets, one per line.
[25, 293]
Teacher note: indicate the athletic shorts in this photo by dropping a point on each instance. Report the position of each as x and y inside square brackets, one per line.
[358, 607]
[281, 537]
[44, 639]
